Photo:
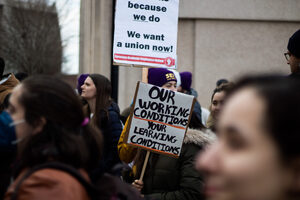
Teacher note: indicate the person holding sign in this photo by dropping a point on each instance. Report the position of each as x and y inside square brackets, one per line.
[156, 76]
[105, 115]
[168, 177]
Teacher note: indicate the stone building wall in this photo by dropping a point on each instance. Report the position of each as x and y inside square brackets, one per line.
[216, 39]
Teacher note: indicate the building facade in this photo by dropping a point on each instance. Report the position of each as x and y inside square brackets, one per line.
[216, 39]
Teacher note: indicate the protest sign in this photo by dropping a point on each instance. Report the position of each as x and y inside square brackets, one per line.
[146, 33]
[159, 119]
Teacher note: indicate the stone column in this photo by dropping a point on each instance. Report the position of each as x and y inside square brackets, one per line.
[96, 36]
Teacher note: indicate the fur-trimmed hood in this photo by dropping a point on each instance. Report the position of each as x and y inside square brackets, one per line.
[199, 137]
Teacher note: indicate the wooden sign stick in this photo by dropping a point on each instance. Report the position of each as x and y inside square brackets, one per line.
[145, 165]
[145, 80]
[145, 75]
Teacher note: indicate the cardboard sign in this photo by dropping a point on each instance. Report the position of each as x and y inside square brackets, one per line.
[146, 33]
[159, 119]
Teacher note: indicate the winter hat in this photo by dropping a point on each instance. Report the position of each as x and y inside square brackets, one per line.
[177, 76]
[80, 82]
[186, 80]
[294, 44]
[160, 76]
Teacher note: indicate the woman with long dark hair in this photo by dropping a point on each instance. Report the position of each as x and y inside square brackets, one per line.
[51, 127]
[105, 115]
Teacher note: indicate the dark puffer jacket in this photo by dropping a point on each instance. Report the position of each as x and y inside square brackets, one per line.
[111, 128]
[112, 134]
[169, 178]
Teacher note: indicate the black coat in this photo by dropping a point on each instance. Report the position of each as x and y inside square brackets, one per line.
[168, 178]
[111, 128]
[295, 75]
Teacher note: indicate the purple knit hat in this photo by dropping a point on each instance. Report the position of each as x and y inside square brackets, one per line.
[294, 44]
[160, 76]
[186, 80]
[80, 82]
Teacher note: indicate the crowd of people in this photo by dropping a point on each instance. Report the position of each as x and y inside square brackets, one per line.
[244, 147]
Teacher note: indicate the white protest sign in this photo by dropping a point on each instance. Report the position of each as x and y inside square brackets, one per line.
[159, 119]
[146, 32]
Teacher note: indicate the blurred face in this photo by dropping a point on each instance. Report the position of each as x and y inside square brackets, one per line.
[171, 85]
[17, 112]
[217, 103]
[244, 163]
[88, 89]
[180, 89]
[294, 62]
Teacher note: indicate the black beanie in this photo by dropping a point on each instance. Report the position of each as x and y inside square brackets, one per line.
[294, 44]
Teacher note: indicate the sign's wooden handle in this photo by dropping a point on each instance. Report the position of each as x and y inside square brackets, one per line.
[145, 75]
[145, 165]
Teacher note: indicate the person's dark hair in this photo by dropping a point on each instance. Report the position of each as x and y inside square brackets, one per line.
[221, 81]
[21, 76]
[63, 137]
[2, 67]
[223, 87]
[294, 44]
[195, 122]
[103, 98]
[281, 96]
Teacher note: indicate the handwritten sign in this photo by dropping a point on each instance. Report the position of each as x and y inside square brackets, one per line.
[159, 119]
[146, 32]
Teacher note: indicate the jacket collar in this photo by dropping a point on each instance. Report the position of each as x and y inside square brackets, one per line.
[199, 137]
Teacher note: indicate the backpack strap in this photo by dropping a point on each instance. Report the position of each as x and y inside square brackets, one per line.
[59, 166]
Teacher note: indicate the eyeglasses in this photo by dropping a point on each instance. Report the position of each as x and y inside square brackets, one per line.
[287, 56]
